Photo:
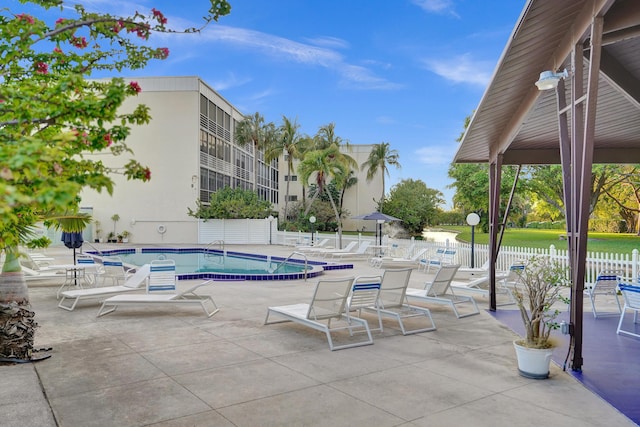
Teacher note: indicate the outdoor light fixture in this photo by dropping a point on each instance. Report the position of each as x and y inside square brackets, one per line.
[549, 79]
[312, 220]
[473, 219]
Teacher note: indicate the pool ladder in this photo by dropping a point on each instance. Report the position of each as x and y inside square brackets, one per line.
[220, 243]
[306, 262]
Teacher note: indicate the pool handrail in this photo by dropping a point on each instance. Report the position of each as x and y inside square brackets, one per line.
[215, 242]
[289, 257]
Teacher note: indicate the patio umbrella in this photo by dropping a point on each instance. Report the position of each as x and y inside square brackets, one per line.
[73, 240]
[377, 216]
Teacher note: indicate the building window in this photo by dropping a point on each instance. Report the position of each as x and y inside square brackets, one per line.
[291, 178]
[292, 198]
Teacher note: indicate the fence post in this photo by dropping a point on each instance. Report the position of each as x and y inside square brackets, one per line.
[634, 267]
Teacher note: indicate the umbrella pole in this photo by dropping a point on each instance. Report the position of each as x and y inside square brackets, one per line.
[75, 272]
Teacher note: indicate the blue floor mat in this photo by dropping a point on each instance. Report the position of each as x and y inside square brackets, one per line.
[611, 362]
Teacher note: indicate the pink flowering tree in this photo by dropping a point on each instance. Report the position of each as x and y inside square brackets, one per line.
[52, 114]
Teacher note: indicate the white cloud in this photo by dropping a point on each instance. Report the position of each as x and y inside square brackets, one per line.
[436, 6]
[229, 81]
[462, 69]
[436, 155]
[353, 76]
[329, 42]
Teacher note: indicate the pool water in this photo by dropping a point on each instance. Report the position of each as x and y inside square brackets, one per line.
[215, 262]
[199, 263]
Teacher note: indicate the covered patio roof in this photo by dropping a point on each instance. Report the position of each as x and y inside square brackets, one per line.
[593, 116]
[517, 120]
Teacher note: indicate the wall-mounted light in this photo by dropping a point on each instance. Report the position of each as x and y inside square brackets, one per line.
[549, 79]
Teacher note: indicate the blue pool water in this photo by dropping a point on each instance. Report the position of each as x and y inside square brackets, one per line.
[199, 263]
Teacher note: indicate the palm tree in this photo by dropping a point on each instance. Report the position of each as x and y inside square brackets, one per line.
[324, 164]
[326, 140]
[349, 181]
[253, 130]
[380, 157]
[289, 142]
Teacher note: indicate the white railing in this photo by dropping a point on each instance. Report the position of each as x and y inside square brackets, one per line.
[257, 231]
[629, 263]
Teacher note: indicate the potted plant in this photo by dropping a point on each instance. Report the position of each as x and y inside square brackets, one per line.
[98, 232]
[536, 292]
[111, 237]
[124, 236]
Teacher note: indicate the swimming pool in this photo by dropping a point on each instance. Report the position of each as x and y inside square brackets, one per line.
[200, 263]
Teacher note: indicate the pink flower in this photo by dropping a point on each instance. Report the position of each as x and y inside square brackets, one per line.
[147, 174]
[117, 27]
[162, 53]
[60, 21]
[159, 16]
[57, 50]
[135, 87]
[79, 42]
[107, 138]
[25, 17]
[42, 68]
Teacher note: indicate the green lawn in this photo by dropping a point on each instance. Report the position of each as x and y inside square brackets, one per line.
[522, 237]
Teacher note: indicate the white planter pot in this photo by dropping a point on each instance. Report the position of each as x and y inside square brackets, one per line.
[533, 362]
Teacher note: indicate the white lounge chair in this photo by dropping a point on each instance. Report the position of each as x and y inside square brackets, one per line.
[439, 291]
[443, 256]
[162, 279]
[329, 252]
[320, 244]
[393, 301]
[478, 283]
[361, 252]
[327, 304]
[398, 262]
[133, 283]
[631, 295]
[606, 284]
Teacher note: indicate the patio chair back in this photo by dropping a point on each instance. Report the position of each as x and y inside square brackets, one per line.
[162, 276]
[440, 284]
[329, 299]
[113, 269]
[364, 292]
[393, 287]
[607, 282]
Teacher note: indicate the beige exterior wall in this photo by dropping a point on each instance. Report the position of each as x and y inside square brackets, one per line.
[170, 146]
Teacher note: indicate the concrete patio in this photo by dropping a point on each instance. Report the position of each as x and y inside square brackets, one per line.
[172, 366]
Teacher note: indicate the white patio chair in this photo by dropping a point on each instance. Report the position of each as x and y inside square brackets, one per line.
[71, 298]
[631, 295]
[365, 294]
[606, 284]
[439, 291]
[327, 304]
[393, 301]
[161, 289]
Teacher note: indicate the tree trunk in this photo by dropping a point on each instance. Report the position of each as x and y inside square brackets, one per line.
[17, 324]
[335, 210]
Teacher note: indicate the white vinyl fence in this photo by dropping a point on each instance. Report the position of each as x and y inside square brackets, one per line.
[264, 232]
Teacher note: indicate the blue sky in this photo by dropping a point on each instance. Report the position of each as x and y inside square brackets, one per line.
[406, 72]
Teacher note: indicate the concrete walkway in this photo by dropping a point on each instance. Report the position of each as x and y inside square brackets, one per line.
[172, 366]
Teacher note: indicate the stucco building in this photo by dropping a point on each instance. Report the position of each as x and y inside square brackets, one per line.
[189, 146]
